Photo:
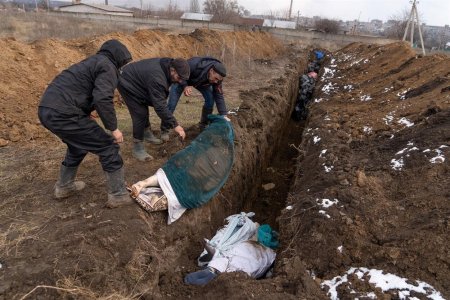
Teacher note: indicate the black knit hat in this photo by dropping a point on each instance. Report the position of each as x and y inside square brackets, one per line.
[182, 67]
[220, 69]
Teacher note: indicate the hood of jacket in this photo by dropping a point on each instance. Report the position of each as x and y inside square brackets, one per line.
[117, 53]
[200, 67]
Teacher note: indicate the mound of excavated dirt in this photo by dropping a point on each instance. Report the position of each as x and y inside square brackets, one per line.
[373, 185]
[27, 68]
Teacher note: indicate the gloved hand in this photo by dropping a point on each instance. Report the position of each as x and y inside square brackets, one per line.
[200, 277]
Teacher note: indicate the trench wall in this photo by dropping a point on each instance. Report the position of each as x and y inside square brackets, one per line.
[262, 120]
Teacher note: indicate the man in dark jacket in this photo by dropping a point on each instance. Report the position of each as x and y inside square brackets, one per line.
[206, 76]
[146, 83]
[65, 110]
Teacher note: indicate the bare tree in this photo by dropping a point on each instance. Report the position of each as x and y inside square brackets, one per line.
[194, 7]
[327, 26]
[396, 25]
[224, 11]
[172, 11]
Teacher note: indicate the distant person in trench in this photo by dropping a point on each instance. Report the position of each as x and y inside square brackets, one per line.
[65, 110]
[146, 83]
[207, 74]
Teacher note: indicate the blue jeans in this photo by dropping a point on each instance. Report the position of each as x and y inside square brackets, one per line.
[176, 90]
[200, 277]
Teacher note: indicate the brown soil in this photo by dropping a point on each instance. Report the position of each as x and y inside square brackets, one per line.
[394, 220]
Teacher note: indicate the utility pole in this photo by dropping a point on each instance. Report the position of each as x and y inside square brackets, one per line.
[290, 10]
[413, 18]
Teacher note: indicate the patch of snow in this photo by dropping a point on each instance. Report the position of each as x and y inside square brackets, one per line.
[367, 129]
[328, 169]
[385, 281]
[366, 61]
[397, 164]
[355, 62]
[388, 118]
[324, 213]
[289, 207]
[325, 203]
[318, 100]
[340, 248]
[402, 95]
[365, 98]
[328, 73]
[327, 88]
[348, 87]
[426, 150]
[439, 158]
[405, 122]
[388, 89]
[327, 118]
[322, 153]
[401, 151]
[316, 139]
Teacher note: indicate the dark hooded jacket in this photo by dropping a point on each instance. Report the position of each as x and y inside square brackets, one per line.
[89, 85]
[147, 82]
[199, 77]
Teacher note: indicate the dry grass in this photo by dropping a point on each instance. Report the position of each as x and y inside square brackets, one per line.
[71, 287]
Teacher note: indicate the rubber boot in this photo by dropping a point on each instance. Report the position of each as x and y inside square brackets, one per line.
[165, 135]
[117, 192]
[204, 118]
[66, 185]
[139, 151]
[150, 138]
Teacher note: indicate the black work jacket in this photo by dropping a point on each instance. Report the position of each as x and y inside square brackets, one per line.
[89, 85]
[147, 81]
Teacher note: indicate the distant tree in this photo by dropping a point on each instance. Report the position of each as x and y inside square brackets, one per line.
[172, 11]
[327, 25]
[224, 11]
[282, 14]
[396, 26]
[194, 7]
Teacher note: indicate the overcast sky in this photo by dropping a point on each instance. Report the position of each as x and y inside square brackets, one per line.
[431, 12]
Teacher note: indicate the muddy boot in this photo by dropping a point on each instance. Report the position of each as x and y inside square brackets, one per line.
[139, 151]
[150, 138]
[204, 118]
[165, 135]
[66, 185]
[117, 192]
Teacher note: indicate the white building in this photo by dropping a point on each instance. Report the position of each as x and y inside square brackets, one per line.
[96, 9]
[279, 24]
[197, 17]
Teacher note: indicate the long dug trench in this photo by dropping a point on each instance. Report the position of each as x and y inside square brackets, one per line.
[363, 188]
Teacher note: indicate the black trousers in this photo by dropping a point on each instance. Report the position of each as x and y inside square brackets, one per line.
[140, 116]
[82, 135]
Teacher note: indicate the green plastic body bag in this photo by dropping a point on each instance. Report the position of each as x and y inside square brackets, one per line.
[197, 172]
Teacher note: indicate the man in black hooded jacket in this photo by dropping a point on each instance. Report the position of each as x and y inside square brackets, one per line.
[206, 76]
[65, 110]
[146, 83]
